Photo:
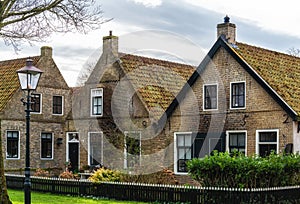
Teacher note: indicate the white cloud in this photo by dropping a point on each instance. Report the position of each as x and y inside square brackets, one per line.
[148, 3]
[275, 16]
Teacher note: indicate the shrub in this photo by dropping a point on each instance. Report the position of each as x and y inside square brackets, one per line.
[104, 174]
[41, 173]
[239, 171]
[67, 175]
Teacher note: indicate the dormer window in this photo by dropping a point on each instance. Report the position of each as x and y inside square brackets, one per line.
[238, 95]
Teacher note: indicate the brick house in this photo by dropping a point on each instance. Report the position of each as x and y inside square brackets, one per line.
[138, 111]
[248, 101]
[115, 114]
[48, 119]
[240, 97]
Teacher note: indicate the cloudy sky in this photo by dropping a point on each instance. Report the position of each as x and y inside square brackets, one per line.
[270, 24]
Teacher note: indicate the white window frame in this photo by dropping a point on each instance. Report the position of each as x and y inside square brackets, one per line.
[237, 108]
[176, 152]
[236, 131]
[91, 102]
[16, 158]
[89, 146]
[217, 94]
[258, 143]
[52, 149]
[125, 151]
[41, 102]
[62, 105]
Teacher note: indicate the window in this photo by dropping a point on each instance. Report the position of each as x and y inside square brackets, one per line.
[189, 145]
[12, 148]
[57, 105]
[132, 149]
[46, 145]
[95, 148]
[184, 150]
[267, 141]
[238, 95]
[210, 97]
[36, 103]
[236, 141]
[96, 102]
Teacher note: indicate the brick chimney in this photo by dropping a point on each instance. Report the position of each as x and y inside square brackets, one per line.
[227, 29]
[110, 47]
[46, 51]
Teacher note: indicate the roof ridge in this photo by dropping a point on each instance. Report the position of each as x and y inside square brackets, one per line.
[122, 54]
[21, 58]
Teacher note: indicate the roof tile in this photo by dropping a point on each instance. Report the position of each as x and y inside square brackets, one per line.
[281, 71]
[9, 82]
[157, 81]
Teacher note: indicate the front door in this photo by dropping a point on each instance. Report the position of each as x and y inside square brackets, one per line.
[73, 151]
[73, 156]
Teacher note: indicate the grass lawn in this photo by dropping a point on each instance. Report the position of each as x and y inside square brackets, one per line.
[17, 197]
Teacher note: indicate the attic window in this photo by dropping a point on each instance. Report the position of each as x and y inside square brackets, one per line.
[238, 95]
[210, 97]
[96, 102]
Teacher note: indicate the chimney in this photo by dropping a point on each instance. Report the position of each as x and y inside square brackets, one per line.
[46, 51]
[227, 29]
[110, 45]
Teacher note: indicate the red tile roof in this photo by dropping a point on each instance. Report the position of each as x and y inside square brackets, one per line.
[9, 82]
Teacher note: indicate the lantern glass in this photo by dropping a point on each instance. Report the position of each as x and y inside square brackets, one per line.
[29, 81]
[29, 76]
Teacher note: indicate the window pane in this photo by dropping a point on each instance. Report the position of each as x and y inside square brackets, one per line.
[268, 136]
[181, 153]
[233, 139]
[188, 153]
[188, 140]
[180, 140]
[241, 140]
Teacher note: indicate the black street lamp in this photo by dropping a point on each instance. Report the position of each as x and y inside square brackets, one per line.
[29, 77]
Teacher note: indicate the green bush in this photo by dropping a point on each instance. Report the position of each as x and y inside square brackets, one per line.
[239, 171]
[104, 174]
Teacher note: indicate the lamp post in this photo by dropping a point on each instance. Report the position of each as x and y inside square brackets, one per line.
[29, 77]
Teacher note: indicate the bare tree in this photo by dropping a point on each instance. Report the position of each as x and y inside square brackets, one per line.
[35, 20]
[294, 52]
[27, 20]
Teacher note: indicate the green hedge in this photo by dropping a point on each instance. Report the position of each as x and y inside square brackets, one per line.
[239, 171]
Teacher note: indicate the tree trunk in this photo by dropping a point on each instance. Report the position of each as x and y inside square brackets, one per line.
[4, 198]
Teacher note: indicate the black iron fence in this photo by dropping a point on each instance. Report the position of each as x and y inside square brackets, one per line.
[158, 193]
